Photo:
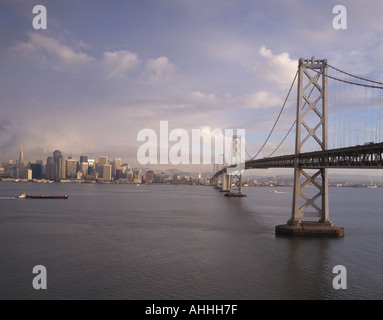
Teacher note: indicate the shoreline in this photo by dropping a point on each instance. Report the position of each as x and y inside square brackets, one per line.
[10, 180]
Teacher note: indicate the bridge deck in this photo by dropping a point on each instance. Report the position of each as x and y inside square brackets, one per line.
[368, 156]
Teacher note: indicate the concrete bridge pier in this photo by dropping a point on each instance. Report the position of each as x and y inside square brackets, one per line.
[235, 186]
[226, 182]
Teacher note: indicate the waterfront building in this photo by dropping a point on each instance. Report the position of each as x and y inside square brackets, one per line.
[28, 174]
[149, 177]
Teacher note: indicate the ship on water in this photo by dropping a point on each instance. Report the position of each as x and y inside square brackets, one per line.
[43, 196]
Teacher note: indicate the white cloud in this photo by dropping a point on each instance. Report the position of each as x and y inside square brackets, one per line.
[261, 100]
[159, 70]
[50, 51]
[278, 68]
[199, 96]
[119, 63]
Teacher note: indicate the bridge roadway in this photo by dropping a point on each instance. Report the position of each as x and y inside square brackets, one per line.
[367, 156]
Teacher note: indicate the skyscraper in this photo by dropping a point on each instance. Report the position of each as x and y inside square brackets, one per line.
[91, 166]
[116, 165]
[62, 168]
[83, 159]
[21, 164]
[50, 169]
[107, 172]
[71, 168]
[37, 170]
[56, 158]
[101, 162]
[83, 168]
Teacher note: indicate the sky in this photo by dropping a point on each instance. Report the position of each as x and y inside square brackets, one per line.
[104, 70]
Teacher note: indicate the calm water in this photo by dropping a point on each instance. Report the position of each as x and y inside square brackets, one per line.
[183, 242]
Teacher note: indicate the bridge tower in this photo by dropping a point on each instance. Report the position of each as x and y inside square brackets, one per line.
[311, 126]
[234, 174]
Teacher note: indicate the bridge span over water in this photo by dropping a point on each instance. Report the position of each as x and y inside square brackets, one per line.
[310, 213]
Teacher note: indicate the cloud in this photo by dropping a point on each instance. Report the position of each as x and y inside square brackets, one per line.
[277, 68]
[209, 98]
[159, 70]
[49, 51]
[261, 100]
[118, 63]
[258, 100]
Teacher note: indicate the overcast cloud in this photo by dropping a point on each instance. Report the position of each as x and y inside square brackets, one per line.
[104, 70]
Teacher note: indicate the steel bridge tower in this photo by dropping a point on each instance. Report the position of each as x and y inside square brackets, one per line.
[233, 175]
[311, 125]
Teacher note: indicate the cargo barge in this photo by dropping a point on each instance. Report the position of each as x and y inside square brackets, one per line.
[43, 196]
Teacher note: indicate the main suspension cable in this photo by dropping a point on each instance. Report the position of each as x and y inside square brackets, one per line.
[349, 82]
[276, 121]
[352, 75]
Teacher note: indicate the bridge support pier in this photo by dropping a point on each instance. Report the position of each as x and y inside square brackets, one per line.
[317, 202]
[226, 182]
[312, 106]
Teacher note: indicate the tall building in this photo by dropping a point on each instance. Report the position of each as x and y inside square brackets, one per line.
[7, 165]
[91, 166]
[37, 170]
[28, 174]
[21, 164]
[50, 169]
[101, 162]
[84, 168]
[56, 159]
[56, 156]
[61, 168]
[107, 172]
[116, 165]
[83, 159]
[71, 172]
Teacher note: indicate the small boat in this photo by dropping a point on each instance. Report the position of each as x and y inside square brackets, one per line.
[47, 197]
[137, 185]
[22, 196]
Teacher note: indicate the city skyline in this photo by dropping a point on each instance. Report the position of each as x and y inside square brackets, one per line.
[83, 86]
[271, 172]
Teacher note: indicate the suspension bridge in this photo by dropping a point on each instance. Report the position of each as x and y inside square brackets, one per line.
[355, 135]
